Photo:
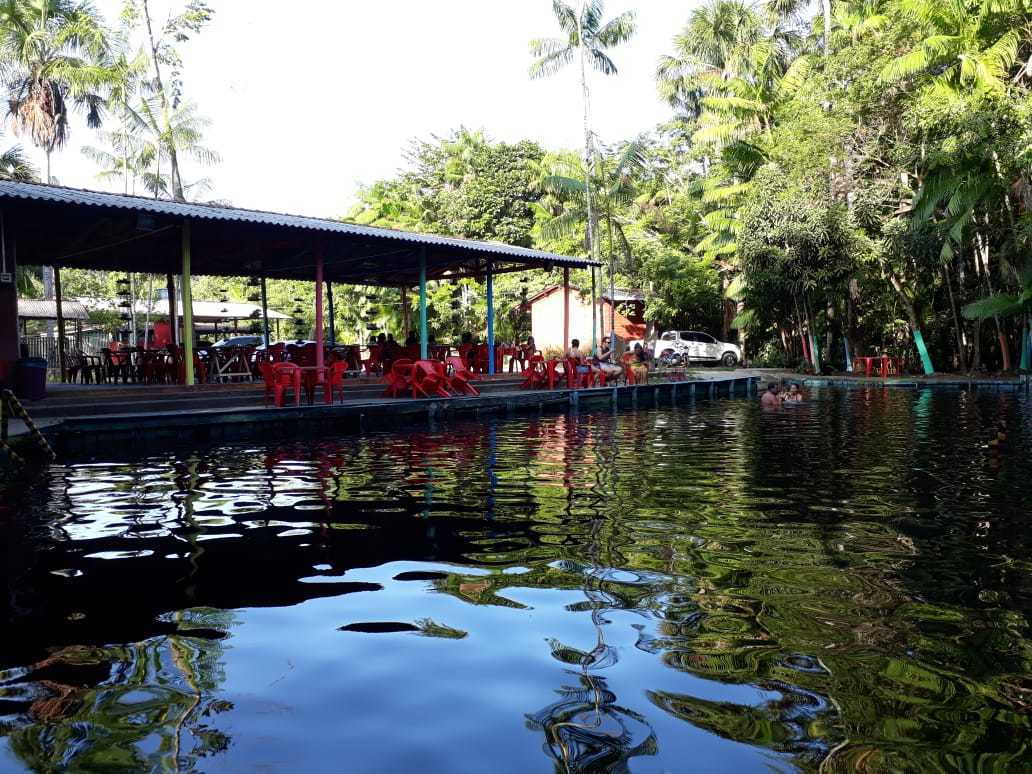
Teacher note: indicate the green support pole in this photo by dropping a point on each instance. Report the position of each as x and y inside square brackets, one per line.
[423, 335]
[594, 312]
[922, 350]
[265, 313]
[188, 336]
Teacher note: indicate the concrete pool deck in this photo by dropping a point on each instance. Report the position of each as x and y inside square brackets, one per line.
[84, 420]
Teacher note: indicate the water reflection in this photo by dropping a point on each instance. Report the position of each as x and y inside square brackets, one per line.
[841, 584]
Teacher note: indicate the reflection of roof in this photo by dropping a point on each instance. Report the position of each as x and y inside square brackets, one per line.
[202, 310]
[46, 309]
[623, 295]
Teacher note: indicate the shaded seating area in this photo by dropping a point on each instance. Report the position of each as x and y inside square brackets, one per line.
[72, 228]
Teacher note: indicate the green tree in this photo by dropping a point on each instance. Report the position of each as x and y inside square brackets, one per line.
[53, 57]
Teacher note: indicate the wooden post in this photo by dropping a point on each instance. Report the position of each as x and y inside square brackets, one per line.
[188, 337]
[490, 320]
[60, 325]
[423, 334]
[8, 304]
[566, 308]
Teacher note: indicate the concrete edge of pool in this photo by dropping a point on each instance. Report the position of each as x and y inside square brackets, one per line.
[84, 435]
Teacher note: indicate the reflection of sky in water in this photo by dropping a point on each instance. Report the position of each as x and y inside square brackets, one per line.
[640, 589]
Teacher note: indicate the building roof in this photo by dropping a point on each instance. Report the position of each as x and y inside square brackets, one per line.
[46, 309]
[622, 295]
[71, 227]
[202, 310]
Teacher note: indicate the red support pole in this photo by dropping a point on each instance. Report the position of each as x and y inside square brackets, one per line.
[566, 309]
[320, 355]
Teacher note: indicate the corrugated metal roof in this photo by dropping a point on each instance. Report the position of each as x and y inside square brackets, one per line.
[202, 310]
[189, 210]
[46, 309]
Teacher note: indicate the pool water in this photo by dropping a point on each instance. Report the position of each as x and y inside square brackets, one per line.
[842, 584]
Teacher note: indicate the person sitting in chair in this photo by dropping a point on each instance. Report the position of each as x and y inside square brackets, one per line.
[604, 361]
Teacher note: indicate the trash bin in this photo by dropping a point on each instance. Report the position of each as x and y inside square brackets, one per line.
[30, 378]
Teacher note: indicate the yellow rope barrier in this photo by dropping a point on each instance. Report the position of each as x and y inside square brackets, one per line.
[19, 411]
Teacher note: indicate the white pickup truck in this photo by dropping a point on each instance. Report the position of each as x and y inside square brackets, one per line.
[694, 347]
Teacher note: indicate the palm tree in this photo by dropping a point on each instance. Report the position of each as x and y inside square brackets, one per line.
[14, 166]
[54, 52]
[171, 135]
[126, 157]
[162, 45]
[586, 39]
[967, 46]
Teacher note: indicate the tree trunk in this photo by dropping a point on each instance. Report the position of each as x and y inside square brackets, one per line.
[915, 328]
[177, 185]
[976, 354]
[961, 354]
[826, 8]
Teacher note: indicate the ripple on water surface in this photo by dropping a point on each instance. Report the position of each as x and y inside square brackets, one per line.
[844, 583]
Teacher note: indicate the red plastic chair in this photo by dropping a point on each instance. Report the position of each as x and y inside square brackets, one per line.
[335, 376]
[461, 378]
[536, 374]
[575, 380]
[285, 376]
[427, 382]
[399, 378]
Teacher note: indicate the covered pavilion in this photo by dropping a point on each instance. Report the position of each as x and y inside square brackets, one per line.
[73, 228]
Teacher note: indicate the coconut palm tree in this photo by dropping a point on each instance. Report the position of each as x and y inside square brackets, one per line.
[586, 40]
[54, 52]
[176, 134]
[14, 166]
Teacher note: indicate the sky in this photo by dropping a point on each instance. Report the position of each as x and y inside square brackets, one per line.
[311, 99]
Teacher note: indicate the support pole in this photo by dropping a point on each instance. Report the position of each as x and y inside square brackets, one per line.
[320, 339]
[566, 309]
[490, 320]
[173, 323]
[265, 312]
[329, 310]
[58, 306]
[594, 312]
[423, 335]
[188, 335]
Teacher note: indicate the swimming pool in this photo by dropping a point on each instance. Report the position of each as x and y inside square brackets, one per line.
[706, 587]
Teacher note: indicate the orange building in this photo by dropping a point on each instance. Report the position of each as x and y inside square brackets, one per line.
[546, 316]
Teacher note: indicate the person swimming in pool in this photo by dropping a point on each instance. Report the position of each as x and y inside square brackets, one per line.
[794, 395]
[770, 399]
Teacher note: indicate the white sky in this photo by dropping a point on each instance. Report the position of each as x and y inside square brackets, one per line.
[311, 99]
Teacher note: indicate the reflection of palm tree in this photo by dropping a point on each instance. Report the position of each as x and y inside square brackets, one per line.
[586, 730]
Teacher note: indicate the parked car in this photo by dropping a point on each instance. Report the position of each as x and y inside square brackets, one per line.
[695, 347]
[241, 341]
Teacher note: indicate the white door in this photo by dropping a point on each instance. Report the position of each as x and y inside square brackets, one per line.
[709, 347]
[691, 346]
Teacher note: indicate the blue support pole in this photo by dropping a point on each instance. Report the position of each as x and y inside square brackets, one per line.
[490, 320]
[423, 335]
